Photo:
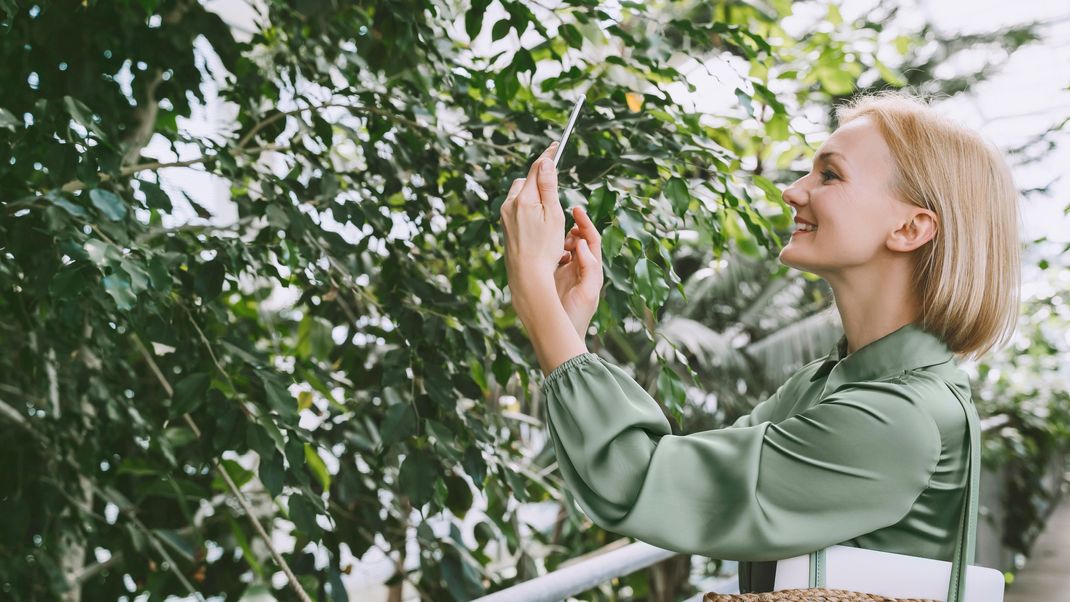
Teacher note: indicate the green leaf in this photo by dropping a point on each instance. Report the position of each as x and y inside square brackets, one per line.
[462, 581]
[82, 114]
[179, 436]
[159, 275]
[271, 472]
[612, 241]
[602, 204]
[155, 197]
[314, 338]
[459, 499]
[745, 100]
[890, 75]
[833, 16]
[650, 283]
[902, 44]
[304, 401]
[303, 515]
[278, 397]
[474, 465]
[677, 193]
[209, 280]
[777, 127]
[506, 83]
[183, 544]
[190, 393]
[671, 390]
[417, 477]
[473, 20]
[110, 205]
[571, 35]
[139, 278]
[71, 280]
[318, 468]
[500, 30]
[772, 193]
[118, 287]
[75, 210]
[101, 253]
[239, 475]
[243, 543]
[400, 423]
[258, 592]
[70, 207]
[835, 81]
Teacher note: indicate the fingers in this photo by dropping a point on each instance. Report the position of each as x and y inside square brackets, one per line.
[585, 229]
[548, 183]
[583, 254]
[532, 181]
[546, 154]
[514, 188]
[582, 219]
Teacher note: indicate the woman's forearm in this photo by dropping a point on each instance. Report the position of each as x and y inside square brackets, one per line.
[549, 327]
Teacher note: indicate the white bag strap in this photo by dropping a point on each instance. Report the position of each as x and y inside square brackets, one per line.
[965, 547]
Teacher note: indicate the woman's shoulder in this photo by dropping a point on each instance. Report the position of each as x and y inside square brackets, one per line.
[937, 390]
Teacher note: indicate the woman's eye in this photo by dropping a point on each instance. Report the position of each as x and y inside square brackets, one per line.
[827, 174]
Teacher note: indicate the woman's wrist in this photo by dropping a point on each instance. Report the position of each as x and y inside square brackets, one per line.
[549, 327]
[530, 297]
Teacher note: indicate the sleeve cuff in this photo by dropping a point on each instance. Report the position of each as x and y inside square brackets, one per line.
[570, 363]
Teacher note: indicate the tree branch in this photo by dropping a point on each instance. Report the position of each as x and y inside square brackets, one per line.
[294, 584]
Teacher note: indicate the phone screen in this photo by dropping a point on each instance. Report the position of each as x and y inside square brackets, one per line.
[568, 128]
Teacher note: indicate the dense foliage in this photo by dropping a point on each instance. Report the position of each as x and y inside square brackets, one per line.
[159, 417]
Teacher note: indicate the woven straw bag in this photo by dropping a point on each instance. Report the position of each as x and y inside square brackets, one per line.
[808, 595]
[988, 583]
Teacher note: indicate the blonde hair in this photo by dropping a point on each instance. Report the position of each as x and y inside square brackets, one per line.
[968, 277]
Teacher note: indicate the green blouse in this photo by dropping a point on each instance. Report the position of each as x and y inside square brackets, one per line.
[867, 450]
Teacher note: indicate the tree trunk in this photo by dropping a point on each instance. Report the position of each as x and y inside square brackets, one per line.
[668, 579]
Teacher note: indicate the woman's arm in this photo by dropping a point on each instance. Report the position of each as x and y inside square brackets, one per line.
[534, 222]
[852, 464]
[551, 331]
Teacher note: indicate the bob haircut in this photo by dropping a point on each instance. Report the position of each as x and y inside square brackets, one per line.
[968, 277]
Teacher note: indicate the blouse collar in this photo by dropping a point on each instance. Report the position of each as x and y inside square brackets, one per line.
[906, 348]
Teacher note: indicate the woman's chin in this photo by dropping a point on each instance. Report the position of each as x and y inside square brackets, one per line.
[789, 256]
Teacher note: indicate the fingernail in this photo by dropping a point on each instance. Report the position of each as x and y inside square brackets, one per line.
[546, 166]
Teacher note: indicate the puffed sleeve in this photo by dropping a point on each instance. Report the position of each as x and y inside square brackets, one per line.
[852, 464]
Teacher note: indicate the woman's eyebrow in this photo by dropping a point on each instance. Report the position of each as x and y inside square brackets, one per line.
[824, 155]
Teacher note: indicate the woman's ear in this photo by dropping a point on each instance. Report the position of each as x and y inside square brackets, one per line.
[918, 228]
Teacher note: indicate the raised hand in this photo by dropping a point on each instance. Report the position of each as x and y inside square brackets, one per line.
[578, 277]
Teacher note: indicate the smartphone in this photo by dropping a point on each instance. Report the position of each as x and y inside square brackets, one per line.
[568, 128]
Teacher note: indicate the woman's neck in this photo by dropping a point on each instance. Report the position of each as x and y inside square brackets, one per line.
[874, 304]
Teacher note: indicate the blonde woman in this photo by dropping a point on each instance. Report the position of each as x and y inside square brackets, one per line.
[913, 221]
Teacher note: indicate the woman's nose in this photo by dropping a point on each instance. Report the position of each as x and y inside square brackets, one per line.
[794, 194]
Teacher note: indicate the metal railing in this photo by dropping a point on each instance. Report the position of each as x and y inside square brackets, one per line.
[614, 560]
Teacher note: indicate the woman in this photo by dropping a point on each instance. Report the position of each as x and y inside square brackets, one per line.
[915, 228]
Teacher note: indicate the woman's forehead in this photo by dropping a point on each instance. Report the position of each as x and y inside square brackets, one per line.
[856, 142]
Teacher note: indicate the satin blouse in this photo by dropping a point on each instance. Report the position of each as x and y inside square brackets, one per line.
[866, 449]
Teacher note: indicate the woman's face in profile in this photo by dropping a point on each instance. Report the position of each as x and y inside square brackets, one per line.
[847, 194]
